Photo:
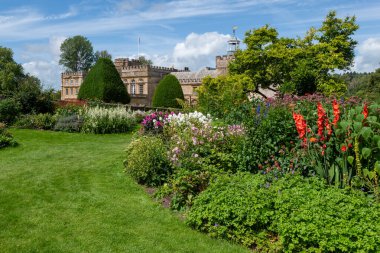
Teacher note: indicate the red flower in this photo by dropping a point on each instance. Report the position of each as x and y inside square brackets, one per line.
[336, 112]
[300, 126]
[365, 111]
[343, 148]
[321, 119]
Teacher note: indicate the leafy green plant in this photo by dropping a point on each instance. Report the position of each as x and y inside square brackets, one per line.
[147, 161]
[236, 207]
[44, 121]
[9, 110]
[310, 217]
[288, 214]
[6, 139]
[270, 133]
[72, 123]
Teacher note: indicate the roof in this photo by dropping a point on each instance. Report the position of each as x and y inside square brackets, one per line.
[195, 77]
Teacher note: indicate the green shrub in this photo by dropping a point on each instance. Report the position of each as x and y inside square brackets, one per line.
[314, 218]
[9, 110]
[71, 123]
[238, 208]
[290, 214]
[147, 161]
[6, 139]
[167, 92]
[103, 82]
[270, 133]
[43, 121]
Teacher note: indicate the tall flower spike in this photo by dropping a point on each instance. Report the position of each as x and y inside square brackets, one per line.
[365, 111]
[336, 112]
[321, 120]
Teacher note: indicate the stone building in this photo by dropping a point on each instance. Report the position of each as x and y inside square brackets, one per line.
[70, 84]
[190, 81]
[140, 80]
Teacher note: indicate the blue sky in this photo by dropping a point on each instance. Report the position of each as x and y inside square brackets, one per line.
[173, 33]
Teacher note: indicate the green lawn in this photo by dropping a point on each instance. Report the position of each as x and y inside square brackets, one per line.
[62, 192]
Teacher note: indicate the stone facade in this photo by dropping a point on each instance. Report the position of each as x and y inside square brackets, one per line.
[140, 80]
[190, 81]
[70, 84]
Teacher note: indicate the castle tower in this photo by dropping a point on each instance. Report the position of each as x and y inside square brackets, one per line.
[233, 43]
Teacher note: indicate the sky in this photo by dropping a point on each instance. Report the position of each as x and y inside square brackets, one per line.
[184, 33]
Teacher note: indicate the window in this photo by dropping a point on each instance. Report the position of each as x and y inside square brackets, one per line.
[76, 91]
[71, 81]
[71, 91]
[141, 88]
[67, 81]
[133, 87]
[67, 91]
[76, 81]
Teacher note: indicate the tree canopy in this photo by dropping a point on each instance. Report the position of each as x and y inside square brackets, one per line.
[103, 83]
[77, 54]
[300, 65]
[145, 61]
[167, 92]
[11, 73]
[102, 54]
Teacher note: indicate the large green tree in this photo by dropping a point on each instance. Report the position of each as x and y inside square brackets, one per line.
[301, 65]
[77, 54]
[11, 73]
[103, 83]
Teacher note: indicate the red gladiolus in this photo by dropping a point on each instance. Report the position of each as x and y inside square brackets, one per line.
[336, 112]
[343, 148]
[365, 111]
[300, 126]
[321, 119]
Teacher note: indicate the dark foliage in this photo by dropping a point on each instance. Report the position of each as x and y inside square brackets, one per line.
[167, 92]
[103, 83]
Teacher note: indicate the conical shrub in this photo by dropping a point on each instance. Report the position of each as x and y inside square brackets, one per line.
[103, 83]
[167, 92]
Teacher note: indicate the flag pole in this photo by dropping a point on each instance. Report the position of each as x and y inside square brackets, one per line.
[138, 48]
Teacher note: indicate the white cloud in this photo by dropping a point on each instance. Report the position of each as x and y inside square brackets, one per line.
[196, 51]
[368, 55]
[42, 62]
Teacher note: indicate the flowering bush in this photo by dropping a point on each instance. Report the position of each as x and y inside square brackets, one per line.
[198, 150]
[341, 142]
[108, 120]
[147, 161]
[154, 122]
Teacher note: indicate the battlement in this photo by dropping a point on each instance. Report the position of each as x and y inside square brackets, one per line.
[224, 57]
[73, 74]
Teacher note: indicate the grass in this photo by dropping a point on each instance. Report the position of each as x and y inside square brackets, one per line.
[62, 192]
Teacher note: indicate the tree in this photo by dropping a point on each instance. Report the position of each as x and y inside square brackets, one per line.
[298, 65]
[145, 61]
[77, 54]
[102, 54]
[103, 82]
[220, 96]
[167, 92]
[11, 73]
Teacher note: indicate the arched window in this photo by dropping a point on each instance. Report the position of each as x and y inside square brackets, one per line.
[133, 87]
